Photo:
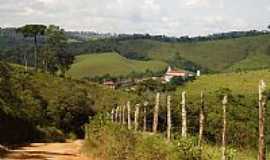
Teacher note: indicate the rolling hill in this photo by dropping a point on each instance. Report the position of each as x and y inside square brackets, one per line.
[217, 56]
[91, 65]
[244, 83]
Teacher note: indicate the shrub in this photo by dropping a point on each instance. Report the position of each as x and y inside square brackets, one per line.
[114, 142]
[154, 147]
[188, 149]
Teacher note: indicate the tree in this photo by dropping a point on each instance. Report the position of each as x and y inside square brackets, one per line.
[33, 30]
[55, 56]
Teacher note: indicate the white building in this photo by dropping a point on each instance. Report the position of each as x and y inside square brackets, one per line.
[171, 73]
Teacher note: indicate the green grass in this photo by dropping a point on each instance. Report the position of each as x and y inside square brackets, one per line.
[252, 62]
[110, 63]
[239, 83]
[217, 56]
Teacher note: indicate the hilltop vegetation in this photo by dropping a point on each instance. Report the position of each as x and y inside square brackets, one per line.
[224, 52]
[216, 56]
[223, 55]
[111, 63]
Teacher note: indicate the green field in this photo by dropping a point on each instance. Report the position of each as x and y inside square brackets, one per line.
[217, 56]
[244, 83]
[110, 63]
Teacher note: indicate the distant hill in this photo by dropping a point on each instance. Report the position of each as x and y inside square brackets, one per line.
[224, 52]
[91, 65]
[216, 56]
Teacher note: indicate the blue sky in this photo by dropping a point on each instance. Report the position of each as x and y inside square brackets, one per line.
[170, 17]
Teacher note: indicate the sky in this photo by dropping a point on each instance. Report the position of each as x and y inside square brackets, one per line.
[168, 17]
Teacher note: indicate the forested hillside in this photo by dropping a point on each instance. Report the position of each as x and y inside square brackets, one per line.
[46, 107]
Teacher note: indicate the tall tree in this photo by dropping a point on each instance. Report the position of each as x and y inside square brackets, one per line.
[56, 57]
[33, 30]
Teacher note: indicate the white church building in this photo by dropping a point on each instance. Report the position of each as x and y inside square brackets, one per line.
[171, 73]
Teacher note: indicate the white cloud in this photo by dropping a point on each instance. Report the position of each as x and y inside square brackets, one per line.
[173, 17]
[204, 3]
[197, 3]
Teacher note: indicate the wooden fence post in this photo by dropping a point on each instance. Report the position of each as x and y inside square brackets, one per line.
[169, 125]
[224, 137]
[262, 106]
[120, 114]
[129, 118]
[116, 114]
[156, 110]
[136, 121]
[144, 116]
[112, 115]
[123, 115]
[184, 115]
[201, 121]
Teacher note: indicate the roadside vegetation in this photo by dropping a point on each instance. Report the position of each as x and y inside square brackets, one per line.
[40, 106]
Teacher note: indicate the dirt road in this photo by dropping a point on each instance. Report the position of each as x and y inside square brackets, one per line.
[48, 151]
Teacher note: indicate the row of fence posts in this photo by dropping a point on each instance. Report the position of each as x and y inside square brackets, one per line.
[118, 115]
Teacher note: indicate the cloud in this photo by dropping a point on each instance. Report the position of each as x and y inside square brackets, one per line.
[204, 3]
[173, 17]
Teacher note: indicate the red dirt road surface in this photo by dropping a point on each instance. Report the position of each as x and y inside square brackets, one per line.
[69, 150]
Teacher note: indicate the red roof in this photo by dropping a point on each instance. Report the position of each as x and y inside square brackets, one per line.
[176, 73]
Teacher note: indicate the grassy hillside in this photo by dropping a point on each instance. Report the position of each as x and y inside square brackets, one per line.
[220, 55]
[110, 63]
[242, 110]
[241, 83]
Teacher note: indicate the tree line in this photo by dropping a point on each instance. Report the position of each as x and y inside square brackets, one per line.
[45, 49]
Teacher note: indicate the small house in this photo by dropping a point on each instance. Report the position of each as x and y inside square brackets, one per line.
[171, 73]
[110, 84]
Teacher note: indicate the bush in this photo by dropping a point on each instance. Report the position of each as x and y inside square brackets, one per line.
[188, 149]
[114, 142]
[154, 147]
